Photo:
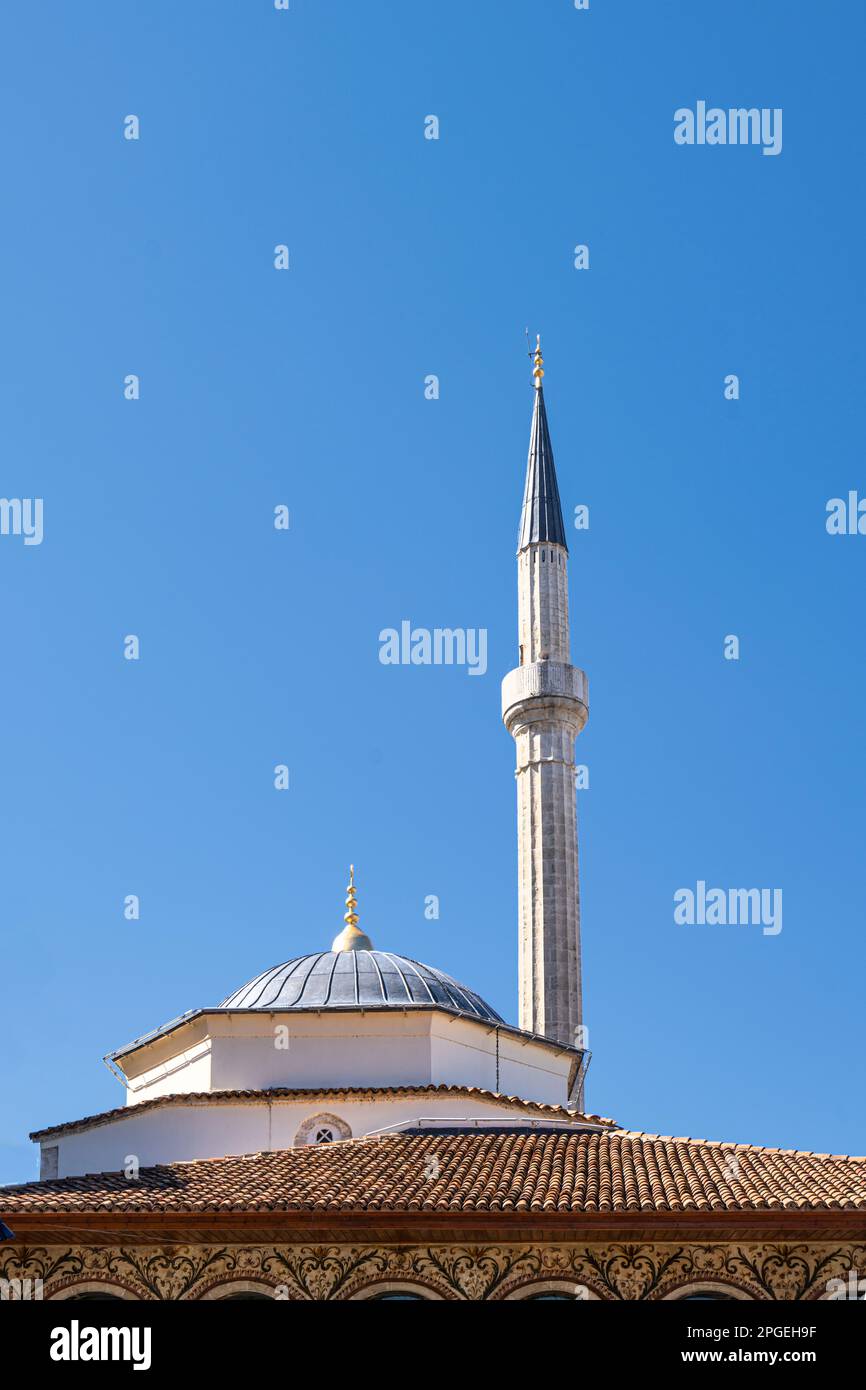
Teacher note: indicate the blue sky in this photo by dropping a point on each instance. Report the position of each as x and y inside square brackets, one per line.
[411, 257]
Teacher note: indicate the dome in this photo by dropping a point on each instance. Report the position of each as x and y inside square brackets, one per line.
[357, 978]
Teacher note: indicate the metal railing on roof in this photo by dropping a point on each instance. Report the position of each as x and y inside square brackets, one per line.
[512, 1121]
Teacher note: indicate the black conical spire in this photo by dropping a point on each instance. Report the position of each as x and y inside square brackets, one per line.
[541, 518]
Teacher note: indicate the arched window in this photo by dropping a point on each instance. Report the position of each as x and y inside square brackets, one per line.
[555, 1291]
[397, 1291]
[245, 1298]
[236, 1290]
[322, 1129]
[93, 1297]
[397, 1297]
[92, 1291]
[708, 1291]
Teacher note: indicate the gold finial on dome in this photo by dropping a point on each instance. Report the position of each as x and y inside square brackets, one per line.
[350, 939]
[538, 368]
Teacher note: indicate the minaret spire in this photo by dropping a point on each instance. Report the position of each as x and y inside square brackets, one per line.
[537, 363]
[541, 518]
[545, 706]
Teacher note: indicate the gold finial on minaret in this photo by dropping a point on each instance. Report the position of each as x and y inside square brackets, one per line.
[538, 368]
[350, 939]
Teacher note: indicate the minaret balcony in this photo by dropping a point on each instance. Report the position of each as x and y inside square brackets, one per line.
[560, 688]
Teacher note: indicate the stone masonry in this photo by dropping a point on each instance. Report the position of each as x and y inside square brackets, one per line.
[545, 706]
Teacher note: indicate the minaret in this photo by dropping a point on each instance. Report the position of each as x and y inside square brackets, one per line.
[545, 706]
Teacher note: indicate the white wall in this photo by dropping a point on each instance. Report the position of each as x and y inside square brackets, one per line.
[352, 1048]
[415, 1047]
[467, 1056]
[348, 1056]
[177, 1133]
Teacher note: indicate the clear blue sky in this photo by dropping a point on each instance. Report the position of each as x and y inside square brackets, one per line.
[258, 387]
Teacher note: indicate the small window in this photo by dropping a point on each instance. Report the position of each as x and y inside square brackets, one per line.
[322, 1128]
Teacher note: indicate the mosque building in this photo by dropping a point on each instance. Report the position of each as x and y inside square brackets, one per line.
[352, 1124]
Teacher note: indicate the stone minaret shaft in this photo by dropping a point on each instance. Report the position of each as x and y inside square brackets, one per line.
[545, 706]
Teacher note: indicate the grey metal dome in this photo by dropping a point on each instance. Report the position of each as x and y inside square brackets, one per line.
[357, 978]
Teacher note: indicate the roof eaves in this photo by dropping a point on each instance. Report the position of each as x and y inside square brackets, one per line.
[423, 1006]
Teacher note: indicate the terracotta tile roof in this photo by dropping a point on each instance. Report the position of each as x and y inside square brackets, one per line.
[356, 1093]
[479, 1170]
